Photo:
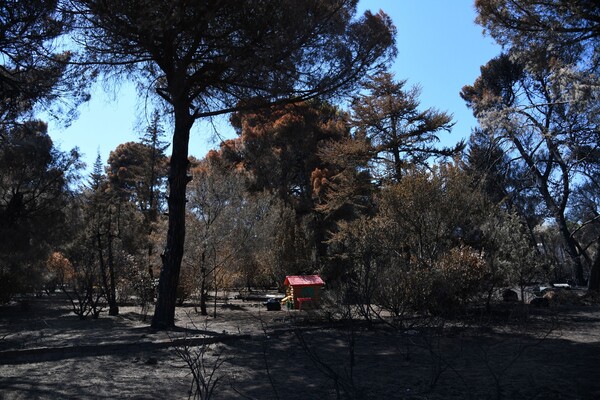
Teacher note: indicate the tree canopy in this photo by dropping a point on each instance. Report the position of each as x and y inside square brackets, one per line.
[34, 193]
[388, 116]
[213, 54]
[557, 26]
[35, 66]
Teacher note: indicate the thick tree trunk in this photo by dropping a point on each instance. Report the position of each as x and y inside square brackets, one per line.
[164, 312]
[571, 248]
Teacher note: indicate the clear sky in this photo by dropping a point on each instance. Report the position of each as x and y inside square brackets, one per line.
[439, 47]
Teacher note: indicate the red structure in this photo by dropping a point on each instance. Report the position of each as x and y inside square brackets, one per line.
[303, 291]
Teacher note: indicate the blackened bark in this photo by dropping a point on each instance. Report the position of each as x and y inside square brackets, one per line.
[215, 298]
[113, 307]
[164, 312]
[203, 291]
[571, 248]
[102, 265]
[594, 282]
[397, 158]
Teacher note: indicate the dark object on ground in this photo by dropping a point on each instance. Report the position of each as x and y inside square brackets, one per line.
[151, 361]
[273, 305]
[251, 295]
[510, 295]
[540, 302]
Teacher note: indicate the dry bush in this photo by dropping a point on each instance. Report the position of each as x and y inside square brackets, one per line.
[591, 298]
[205, 372]
[405, 291]
[456, 280]
[563, 298]
[442, 289]
[60, 270]
[188, 283]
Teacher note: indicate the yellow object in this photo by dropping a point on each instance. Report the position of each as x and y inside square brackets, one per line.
[286, 299]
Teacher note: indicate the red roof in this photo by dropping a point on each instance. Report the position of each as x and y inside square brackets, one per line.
[303, 280]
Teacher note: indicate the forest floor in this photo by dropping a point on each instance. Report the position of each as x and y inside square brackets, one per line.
[47, 352]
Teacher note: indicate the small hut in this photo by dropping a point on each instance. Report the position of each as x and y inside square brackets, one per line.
[302, 291]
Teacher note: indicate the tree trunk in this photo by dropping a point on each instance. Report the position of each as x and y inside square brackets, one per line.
[203, 291]
[594, 282]
[215, 299]
[113, 307]
[397, 163]
[101, 263]
[571, 248]
[164, 312]
[109, 287]
[215, 271]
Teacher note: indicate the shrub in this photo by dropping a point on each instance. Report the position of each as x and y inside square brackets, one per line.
[456, 279]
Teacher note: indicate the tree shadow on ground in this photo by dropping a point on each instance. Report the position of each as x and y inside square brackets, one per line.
[494, 366]
[99, 377]
[499, 359]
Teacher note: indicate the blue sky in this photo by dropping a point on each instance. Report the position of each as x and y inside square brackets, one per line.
[439, 47]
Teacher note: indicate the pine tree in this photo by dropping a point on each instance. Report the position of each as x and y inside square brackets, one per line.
[388, 116]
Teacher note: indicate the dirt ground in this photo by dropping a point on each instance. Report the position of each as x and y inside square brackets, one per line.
[46, 352]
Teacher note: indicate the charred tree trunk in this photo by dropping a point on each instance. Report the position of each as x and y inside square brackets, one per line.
[107, 267]
[397, 163]
[216, 294]
[571, 248]
[594, 282]
[203, 291]
[113, 307]
[164, 312]
[101, 260]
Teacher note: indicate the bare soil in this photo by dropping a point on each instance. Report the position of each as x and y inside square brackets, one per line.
[46, 352]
